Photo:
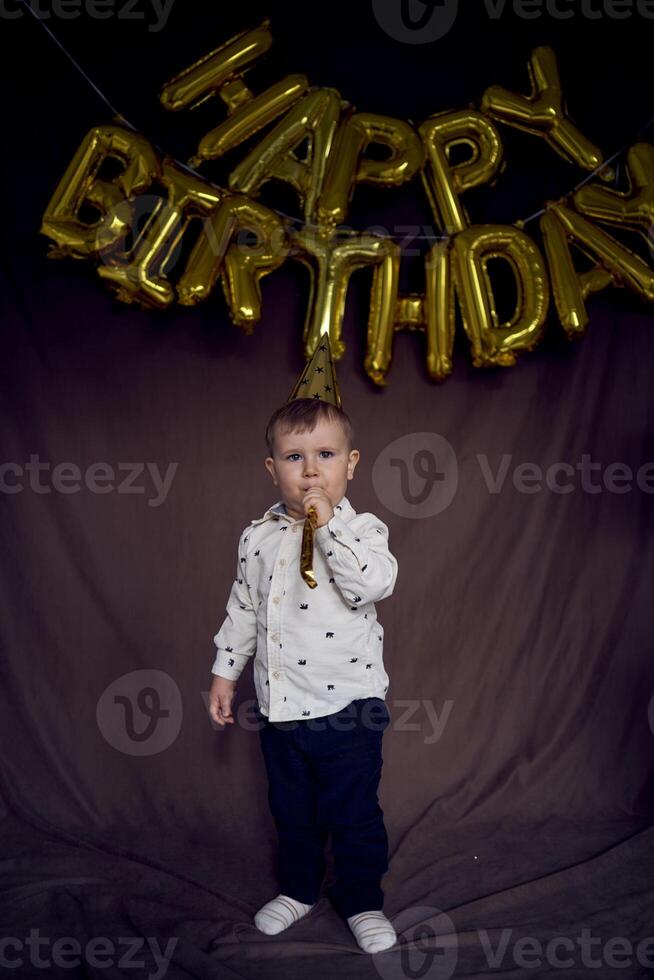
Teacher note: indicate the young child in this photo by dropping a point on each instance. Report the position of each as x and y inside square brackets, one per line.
[318, 671]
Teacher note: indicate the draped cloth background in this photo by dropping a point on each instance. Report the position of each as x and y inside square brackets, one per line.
[517, 780]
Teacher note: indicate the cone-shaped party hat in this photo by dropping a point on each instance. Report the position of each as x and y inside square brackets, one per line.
[318, 379]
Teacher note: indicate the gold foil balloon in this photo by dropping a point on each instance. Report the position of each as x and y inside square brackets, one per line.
[432, 313]
[348, 165]
[331, 262]
[137, 260]
[543, 112]
[633, 208]
[569, 287]
[614, 262]
[221, 73]
[315, 119]
[240, 266]
[81, 185]
[493, 343]
[444, 181]
[249, 117]
[141, 275]
[439, 311]
[381, 317]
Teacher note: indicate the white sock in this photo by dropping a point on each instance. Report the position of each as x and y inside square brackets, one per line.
[372, 931]
[279, 913]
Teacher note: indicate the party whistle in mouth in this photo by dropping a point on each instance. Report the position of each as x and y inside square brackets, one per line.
[306, 555]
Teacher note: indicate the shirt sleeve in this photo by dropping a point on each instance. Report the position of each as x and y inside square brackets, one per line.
[236, 640]
[362, 565]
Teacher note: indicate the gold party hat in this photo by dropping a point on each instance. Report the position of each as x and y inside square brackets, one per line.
[318, 379]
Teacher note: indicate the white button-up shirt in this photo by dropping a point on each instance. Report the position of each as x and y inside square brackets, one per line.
[316, 649]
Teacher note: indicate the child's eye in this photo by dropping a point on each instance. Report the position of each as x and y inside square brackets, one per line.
[328, 451]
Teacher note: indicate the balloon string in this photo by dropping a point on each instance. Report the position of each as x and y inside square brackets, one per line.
[283, 214]
[594, 173]
[79, 67]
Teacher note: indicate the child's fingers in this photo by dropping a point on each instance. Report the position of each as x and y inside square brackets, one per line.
[214, 710]
[225, 709]
[220, 707]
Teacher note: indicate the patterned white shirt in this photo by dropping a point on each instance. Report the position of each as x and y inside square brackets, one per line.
[316, 650]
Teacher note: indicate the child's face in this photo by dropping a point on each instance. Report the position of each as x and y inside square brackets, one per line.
[311, 459]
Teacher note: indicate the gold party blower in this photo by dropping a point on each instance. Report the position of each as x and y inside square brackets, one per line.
[317, 380]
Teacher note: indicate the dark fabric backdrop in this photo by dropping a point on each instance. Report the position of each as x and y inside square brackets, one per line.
[521, 620]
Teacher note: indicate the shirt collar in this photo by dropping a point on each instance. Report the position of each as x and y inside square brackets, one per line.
[343, 509]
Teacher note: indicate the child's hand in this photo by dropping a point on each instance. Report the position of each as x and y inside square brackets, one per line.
[319, 498]
[220, 700]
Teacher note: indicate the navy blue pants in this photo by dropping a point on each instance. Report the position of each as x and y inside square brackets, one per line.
[323, 775]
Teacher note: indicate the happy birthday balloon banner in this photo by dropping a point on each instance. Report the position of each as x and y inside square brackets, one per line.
[134, 263]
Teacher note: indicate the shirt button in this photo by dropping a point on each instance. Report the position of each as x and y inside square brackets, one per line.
[275, 673]
[282, 561]
[296, 527]
[275, 636]
[275, 598]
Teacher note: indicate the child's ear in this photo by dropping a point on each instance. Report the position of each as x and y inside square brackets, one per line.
[269, 463]
[352, 462]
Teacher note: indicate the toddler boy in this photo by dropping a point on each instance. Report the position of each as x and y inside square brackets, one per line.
[318, 671]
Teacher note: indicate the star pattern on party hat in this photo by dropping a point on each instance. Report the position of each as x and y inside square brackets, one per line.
[318, 378]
